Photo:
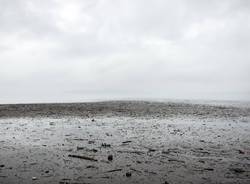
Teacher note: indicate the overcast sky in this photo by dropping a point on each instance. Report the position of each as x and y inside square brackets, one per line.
[78, 50]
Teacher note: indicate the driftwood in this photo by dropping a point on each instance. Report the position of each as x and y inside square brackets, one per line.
[114, 170]
[83, 157]
[125, 142]
[131, 151]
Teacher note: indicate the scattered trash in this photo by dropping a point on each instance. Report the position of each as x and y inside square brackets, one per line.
[105, 145]
[131, 151]
[175, 160]
[125, 142]
[208, 169]
[91, 167]
[83, 157]
[114, 170]
[136, 170]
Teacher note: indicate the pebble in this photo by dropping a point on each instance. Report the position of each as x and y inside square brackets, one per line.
[128, 174]
[110, 157]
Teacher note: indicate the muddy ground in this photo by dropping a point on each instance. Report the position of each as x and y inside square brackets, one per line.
[124, 142]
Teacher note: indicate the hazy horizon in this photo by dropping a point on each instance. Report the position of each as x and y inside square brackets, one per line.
[76, 51]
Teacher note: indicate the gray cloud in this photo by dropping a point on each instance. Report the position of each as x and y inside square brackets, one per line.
[59, 50]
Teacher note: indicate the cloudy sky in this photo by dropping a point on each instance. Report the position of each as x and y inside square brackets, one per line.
[78, 50]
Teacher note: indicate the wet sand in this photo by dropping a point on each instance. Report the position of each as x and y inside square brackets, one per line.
[124, 142]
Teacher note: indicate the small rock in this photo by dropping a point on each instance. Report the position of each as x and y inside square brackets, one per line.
[93, 120]
[237, 170]
[241, 152]
[110, 157]
[47, 171]
[51, 123]
[107, 134]
[91, 142]
[151, 150]
[128, 174]
[34, 178]
[91, 167]
[2, 165]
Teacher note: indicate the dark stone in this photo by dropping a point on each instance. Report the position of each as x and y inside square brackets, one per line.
[110, 157]
[128, 174]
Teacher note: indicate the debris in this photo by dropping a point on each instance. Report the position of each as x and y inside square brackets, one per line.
[114, 170]
[150, 172]
[165, 152]
[125, 142]
[2, 165]
[47, 171]
[151, 150]
[241, 152]
[110, 157]
[132, 151]
[83, 157]
[80, 148]
[175, 160]
[34, 178]
[128, 174]
[106, 145]
[79, 139]
[135, 170]
[106, 177]
[107, 134]
[91, 142]
[93, 120]
[91, 167]
[237, 170]
[94, 150]
[208, 169]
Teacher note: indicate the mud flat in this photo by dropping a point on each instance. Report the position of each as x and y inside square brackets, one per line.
[124, 142]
